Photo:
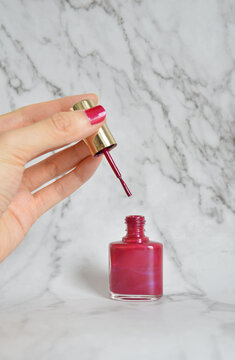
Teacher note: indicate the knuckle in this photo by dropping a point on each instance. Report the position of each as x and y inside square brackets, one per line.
[59, 189]
[61, 122]
[79, 176]
[52, 168]
[27, 182]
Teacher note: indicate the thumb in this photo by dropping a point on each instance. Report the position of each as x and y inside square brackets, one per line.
[56, 131]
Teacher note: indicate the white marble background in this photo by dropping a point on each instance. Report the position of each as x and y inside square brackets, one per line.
[164, 71]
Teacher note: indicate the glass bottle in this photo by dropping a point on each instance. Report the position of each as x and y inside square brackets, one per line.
[135, 264]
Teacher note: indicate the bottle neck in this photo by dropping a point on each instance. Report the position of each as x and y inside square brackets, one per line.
[135, 229]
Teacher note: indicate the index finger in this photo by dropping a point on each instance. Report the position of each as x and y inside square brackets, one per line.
[32, 113]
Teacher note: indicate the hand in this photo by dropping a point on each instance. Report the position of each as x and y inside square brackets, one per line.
[28, 133]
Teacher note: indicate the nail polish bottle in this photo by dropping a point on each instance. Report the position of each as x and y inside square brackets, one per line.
[135, 264]
[101, 142]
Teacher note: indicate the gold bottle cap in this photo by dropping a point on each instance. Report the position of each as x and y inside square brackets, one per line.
[103, 138]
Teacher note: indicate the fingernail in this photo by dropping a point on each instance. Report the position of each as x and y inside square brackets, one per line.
[96, 114]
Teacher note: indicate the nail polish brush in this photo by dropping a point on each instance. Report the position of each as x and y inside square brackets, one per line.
[101, 142]
[116, 171]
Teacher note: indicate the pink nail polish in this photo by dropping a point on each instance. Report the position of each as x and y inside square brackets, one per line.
[135, 264]
[96, 114]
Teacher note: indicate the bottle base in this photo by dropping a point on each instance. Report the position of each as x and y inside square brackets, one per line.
[126, 297]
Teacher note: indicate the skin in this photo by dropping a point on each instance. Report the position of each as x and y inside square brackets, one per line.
[26, 134]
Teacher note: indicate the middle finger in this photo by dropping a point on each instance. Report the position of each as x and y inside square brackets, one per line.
[54, 166]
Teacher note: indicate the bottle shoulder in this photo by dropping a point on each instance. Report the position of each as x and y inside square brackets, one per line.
[147, 244]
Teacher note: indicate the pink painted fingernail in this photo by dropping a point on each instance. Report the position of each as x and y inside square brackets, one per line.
[96, 114]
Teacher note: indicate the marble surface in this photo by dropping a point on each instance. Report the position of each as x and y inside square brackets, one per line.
[164, 70]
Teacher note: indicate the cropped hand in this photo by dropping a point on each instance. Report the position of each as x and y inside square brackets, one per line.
[32, 131]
